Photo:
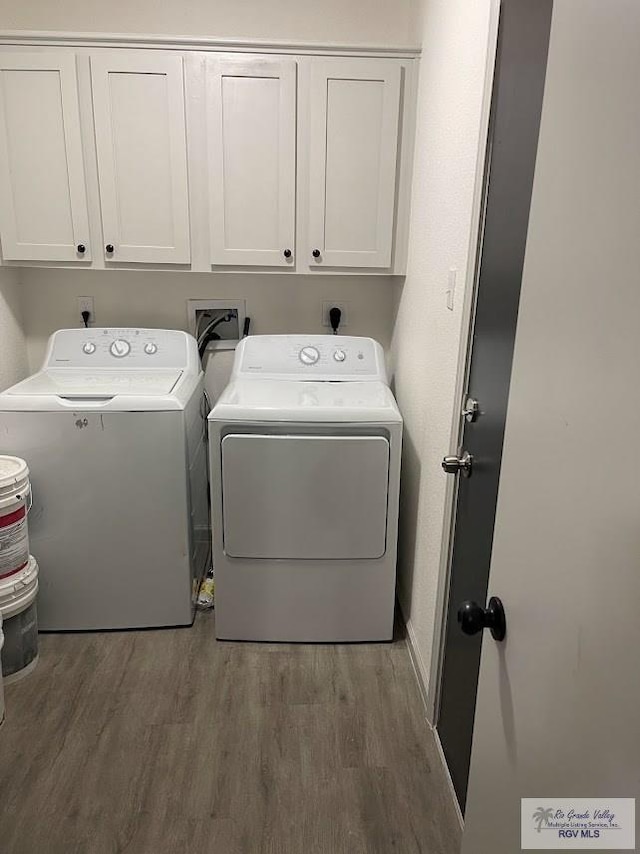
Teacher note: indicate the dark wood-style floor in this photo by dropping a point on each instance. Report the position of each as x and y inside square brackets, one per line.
[167, 742]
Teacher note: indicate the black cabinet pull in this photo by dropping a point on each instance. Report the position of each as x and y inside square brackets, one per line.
[316, 253]
[81, 248]
[109, 248]
[287, 253]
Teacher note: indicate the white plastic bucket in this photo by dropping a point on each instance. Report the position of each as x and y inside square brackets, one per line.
[15, 495]
[1, 680]
[20, 622]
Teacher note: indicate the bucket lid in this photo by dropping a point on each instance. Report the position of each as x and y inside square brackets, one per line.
[14, 585]
[13, 471]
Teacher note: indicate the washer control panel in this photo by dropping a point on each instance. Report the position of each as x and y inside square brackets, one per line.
[119, 348]
[301, 357]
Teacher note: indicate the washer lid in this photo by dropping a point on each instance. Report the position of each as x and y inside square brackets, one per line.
[70, 383]
[286, 400]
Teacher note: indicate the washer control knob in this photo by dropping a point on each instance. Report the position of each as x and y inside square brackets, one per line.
[88, 347]
[150, 348]
[120, 348]
[339, 355]
[309, 355]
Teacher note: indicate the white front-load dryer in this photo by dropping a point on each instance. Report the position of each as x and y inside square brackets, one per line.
[305, 447]
[113, 430]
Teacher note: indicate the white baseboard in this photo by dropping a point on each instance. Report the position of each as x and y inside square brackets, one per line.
[445, 768]
[420, 669]
[421, 673]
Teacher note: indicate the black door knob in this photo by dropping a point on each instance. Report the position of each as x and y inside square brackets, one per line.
[287, 253]
[473, 618]
[81, 248]
[109, 248]
[316, 253]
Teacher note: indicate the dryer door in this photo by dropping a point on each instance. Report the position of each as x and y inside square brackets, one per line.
[305, 497]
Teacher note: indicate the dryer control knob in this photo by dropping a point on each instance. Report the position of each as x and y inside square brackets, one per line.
[309, 355]
[150, 348]
[88, 347]
[339, 355]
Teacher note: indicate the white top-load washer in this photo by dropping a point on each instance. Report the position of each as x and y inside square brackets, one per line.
[305, 446]
[113, 430]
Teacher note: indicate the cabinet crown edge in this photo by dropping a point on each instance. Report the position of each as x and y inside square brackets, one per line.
[142, 40]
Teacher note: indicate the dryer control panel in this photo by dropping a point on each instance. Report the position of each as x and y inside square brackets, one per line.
[332, 358]
[121, 348]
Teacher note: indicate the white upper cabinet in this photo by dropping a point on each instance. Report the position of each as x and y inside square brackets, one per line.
[139, 113]
[43, 204]
[354, 114]
[128, 156]
[251, 145]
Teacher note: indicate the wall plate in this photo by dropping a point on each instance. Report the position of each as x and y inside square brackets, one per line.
[230, 332]
[86, 304]
[327, 305]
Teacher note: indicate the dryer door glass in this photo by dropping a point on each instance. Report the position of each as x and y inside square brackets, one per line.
[305, 497]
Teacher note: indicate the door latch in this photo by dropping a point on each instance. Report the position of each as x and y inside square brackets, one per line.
[471, 410]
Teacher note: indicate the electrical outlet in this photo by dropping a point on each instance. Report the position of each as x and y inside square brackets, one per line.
[86, 304]
[327, 305]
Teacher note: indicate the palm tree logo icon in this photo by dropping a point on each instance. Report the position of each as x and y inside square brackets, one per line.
[542, 815]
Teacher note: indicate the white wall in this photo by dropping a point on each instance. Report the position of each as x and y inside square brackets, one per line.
[339, 21]
[13, 352]
[276, 304]
[427, 336]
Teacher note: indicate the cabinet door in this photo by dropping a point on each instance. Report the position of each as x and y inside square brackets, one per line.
[353, 149]
[251, 129]
[43, 207]
[138, 103]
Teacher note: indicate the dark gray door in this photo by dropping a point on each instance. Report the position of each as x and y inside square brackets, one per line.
[523, 42]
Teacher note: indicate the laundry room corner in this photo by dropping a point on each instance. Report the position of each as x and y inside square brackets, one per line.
[432, 302]
[13, 347]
